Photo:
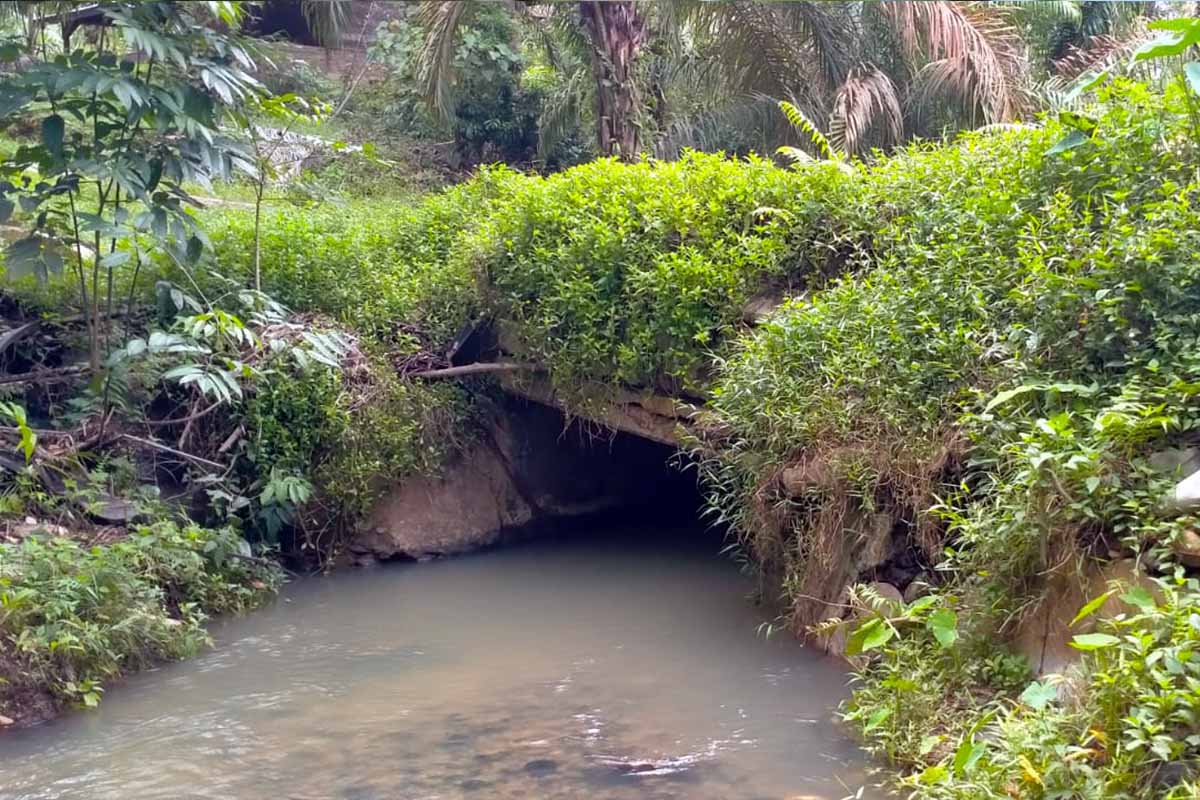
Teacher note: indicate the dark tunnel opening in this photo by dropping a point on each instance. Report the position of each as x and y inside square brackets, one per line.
[575, 468]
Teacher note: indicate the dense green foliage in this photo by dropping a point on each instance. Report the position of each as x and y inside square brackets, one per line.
[382, 269]
[72, 617]
[987, 343]
[630, 274]
[1019, 343]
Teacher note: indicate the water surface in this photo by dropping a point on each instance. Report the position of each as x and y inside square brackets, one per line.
[612, 664]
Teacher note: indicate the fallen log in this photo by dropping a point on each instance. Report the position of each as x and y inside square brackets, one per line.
[44, 375]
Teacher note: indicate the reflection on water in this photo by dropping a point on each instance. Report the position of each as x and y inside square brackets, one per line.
[620, 664]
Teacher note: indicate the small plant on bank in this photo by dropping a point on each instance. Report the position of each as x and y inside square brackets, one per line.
[74, 617]
[126, 119]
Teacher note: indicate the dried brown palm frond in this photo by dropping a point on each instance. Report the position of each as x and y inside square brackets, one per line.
[866, 112]
[971, 54]
[1101, 52]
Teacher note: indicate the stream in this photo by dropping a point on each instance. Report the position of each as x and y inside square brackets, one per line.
[618, 662]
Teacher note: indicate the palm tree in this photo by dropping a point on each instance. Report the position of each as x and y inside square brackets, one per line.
[852, 67]
[606, 35]
[871, 74]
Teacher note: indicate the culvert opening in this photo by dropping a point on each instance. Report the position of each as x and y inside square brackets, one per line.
[576, 468]
[533, 473]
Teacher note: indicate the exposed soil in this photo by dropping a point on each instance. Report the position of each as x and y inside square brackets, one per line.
[22, 702]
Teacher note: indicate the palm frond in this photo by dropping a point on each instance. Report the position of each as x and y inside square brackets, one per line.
[802, 123]
[327, 20]
[1102, 52]
[866, 112]
[440, 20]
[1046, 11]
[972, 55]
[562, 109]
[801, 50]
[1116, 19]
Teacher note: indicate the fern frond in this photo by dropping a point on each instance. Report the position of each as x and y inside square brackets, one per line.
[802, 123]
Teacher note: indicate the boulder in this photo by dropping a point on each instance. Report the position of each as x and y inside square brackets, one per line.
[918, 588]
[1044, 636]
[1187, 548]
[1185, 496]
[1177, 461]
[888, 592]
[466, 508]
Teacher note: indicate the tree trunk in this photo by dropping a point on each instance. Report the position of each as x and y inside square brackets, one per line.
[616, 32]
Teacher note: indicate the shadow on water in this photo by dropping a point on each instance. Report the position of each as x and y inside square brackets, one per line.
[604, 659]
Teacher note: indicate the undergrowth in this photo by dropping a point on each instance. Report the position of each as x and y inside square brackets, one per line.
[997, 382]
[73, 617]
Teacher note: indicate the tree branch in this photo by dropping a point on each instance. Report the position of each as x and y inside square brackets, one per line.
[473, 369]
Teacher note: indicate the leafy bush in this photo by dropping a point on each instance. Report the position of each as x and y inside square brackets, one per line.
[78, 616]
[617, 273]
[382, 270]
[996, 378]
[492, 116]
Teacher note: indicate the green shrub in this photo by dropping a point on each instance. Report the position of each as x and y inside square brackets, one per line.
[383, 270]
[617, 273]
[79, 616]
[996, 377]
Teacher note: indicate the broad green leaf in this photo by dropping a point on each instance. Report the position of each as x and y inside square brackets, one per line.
[1140, 597]
[943, 624]
[877, 719]
[1091, 607]
[1080, 122]
[932, 775]
[967, 755]
[1093, 641]
[1069, 142]
[115, 259]
[871, 635]
[1038, 695]
[52, 133]
[920, 604]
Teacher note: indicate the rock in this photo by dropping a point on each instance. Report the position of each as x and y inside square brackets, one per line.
[887, 592]
[1185, 496]
[465, 509]
[6, 721]
[759, 308]
[1044, 636]
[875, 543]
[1184, 460]
[1187, 548]
[918, 588]
[114, 511]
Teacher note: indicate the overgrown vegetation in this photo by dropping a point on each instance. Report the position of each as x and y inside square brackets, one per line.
[995, 381]
[981, 352]
[74, 616]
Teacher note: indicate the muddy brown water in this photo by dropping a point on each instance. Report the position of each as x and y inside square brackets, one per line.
[614, 663]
